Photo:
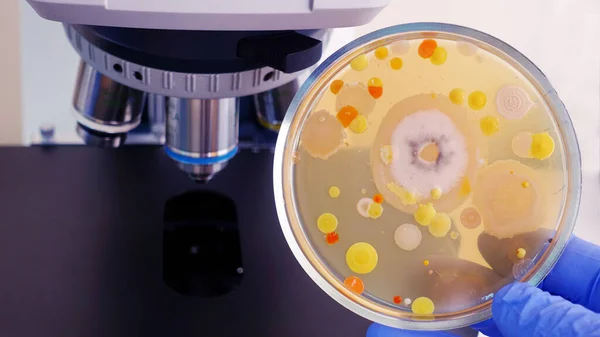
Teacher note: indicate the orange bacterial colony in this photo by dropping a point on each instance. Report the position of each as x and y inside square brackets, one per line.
[332, 238]
[427, 48]
[450, 167]
[355, 284]
[346, 115]
[375, 87]
[336, 86]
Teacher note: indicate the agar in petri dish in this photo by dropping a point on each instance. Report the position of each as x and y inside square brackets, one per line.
[467, 172]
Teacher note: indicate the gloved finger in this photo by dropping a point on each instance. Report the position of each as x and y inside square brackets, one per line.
[378, 330]
[453, 283]
[521, 310]
[501, 254]
[576, 275]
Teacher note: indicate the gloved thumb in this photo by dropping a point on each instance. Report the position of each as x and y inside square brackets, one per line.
[521, 310]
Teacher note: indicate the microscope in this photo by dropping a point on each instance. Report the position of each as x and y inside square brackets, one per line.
[165, 225]
[189, 66]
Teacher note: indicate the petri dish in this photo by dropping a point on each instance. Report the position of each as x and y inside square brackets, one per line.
[420, 169]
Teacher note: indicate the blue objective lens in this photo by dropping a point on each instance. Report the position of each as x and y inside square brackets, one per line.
[201, 161]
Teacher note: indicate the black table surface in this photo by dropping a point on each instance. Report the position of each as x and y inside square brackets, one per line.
[81, 240]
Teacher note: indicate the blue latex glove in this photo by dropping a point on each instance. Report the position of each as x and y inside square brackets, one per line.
[566, 305]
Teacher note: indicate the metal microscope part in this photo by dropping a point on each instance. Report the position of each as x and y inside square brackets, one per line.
[209, 52]
[156, 109]
[272, 105]
[252, 135]
[202, 134]
[176, 83]
[104, 108]
[99, 139]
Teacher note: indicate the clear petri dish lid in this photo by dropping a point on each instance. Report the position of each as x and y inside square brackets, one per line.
[420, 169]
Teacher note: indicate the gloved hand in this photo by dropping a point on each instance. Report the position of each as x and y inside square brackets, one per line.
[566, 305]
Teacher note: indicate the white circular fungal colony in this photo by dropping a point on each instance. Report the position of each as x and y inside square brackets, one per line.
[430, 140]
[362, 206]
[414, 134]
[400, 47]
[408, 236]
[512, 102]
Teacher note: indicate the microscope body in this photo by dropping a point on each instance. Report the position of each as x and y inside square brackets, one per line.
[114, 238]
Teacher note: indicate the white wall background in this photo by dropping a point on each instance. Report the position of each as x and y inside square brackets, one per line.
[10, 85]
[49, 66]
